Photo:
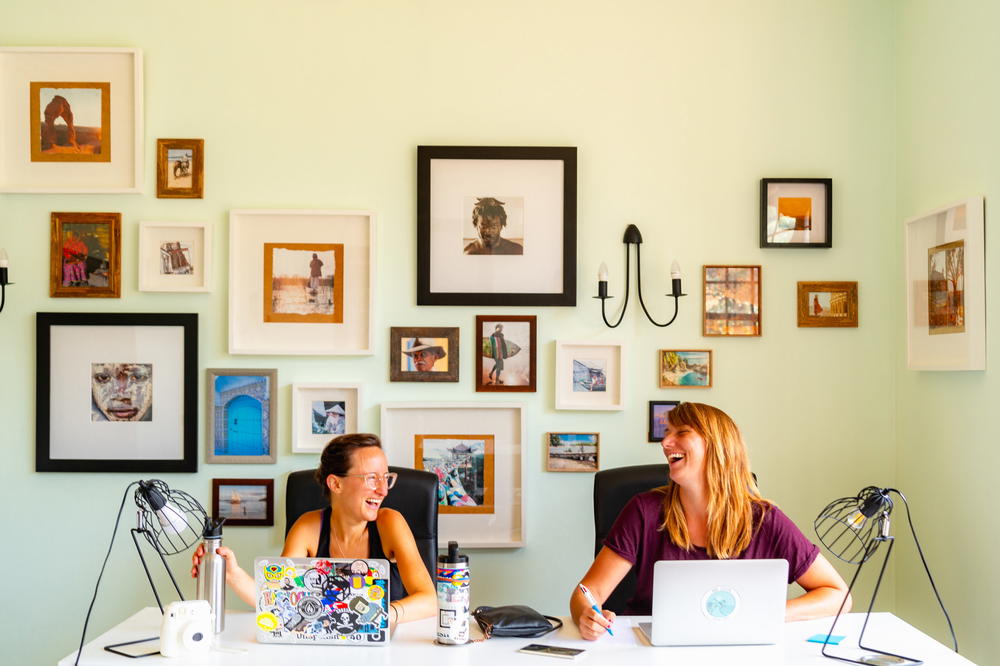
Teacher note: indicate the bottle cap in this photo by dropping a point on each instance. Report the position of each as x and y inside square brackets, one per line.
[453, 555]
[213, 528]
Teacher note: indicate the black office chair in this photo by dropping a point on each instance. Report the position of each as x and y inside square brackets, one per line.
[414, 496]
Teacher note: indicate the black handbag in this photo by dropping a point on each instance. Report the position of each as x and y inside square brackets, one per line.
[514, 621]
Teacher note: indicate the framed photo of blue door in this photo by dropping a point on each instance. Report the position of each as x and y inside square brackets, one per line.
[241, 416]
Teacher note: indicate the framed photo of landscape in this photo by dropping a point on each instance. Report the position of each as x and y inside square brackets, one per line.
[180, 168]
[506, 353]
[946, 288]
[300, 282]
[573, 452]
[796, 212]
[320, 412]
[496, 225]
[175, 256]
[459, 441]
[423, 354]
[589, 376]
[241, 415]
[85, 255]
[658, 411]
[244, 502]
[116, 392]
[71, 120]
[827, 304]
[685, 368]
[732, 297]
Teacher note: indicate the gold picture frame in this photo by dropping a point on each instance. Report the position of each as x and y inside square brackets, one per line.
[85, 255]
[458, 469]
[84, 135]
[309, 296]
[827, 304]
[180, 168]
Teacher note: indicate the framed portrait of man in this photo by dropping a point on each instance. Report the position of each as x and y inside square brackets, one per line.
[423, 354]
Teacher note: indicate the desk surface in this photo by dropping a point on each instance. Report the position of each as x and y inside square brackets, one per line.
[413, 643]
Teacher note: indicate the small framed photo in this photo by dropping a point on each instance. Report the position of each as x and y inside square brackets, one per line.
[423, 354]
[573, 452]
[244, 502]
[732, 301]
[828, 304]
[506, 353]
[180, 168]
[85, 255]
[796, 212]
[589, 376]
[175, 256]
[658, 410]
[320, 412]
[464, 465]
[496, 225]
[241, 417]
[685, 368]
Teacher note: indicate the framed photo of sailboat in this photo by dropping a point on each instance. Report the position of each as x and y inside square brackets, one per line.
[244, 502]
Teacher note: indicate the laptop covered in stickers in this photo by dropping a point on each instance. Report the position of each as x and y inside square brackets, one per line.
[322, 601]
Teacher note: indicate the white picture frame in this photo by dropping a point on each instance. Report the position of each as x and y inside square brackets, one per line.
[121, 70]
[351, 230]
[599, 362]
[946, 326]
[168, 250]
[505, 527]
[307, 434]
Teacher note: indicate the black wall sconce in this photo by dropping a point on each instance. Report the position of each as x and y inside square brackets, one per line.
[633, 237]
[3, 277]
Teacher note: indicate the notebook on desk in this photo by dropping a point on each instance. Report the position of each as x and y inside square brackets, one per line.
[717, 602]
[322, 601]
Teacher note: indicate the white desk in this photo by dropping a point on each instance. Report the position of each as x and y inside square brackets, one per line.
[413, 644]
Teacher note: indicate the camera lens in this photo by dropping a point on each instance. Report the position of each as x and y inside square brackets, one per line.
[197, 636]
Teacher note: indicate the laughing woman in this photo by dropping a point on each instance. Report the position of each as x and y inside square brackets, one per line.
[711, 509]
[354, 474]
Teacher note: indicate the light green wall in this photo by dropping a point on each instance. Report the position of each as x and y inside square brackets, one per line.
[947, 454]
[677, 108]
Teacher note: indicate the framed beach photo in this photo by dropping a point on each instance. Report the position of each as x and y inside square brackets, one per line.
[572, 452]
[320, 412]
[827, 304]
[464, 466]
[175, 256]
[241, 416]
[506, 353]
[732, 297]
[180, 168]
[796, 212]
[85, 255]
[300, 282]
[946, 288]
[589, 376]
[496, 225]
[658, 410]
[685, 368]
[71, 121]
[423, 354]
[116, 392]
[244, 502]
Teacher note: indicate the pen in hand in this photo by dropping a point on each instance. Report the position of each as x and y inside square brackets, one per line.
[593, 604]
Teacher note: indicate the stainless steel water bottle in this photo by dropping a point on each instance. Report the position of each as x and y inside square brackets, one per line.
[211, 584]
[453, 597]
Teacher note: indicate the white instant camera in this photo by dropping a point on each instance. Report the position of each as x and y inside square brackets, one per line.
[186, 629]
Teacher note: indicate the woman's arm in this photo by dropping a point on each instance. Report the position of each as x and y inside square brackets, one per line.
[398, 544]
[825, 591]
[601, 579]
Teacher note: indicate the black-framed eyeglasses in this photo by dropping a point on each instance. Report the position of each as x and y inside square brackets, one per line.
[372, 479]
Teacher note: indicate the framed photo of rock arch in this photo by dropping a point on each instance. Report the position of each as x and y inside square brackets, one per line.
[241, 415]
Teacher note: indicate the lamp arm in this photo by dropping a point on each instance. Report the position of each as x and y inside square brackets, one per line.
[627, 289]
[638, 280]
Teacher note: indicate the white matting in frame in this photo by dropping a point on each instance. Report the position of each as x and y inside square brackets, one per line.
[120, 69]
[175, 256]
[946, 288]
[504, 528]
[589, 376]
[320, 412]
[249, 230]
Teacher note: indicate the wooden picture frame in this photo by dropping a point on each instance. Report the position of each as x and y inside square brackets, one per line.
[525, 251]
[239, 502]
[796, 212]
[424, 354]
[572, 452]
[180, 168]
[827, 304]
[516, 370]
[232, 395]
[86, 421]
[85, 255]
[657, 419]
[340, 405]
[175, 256]
[685, 368]
[453, 458]
[731, 300]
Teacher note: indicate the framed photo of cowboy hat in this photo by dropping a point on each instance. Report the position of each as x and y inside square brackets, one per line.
[496, 225]
[423, 354]
[505, 353]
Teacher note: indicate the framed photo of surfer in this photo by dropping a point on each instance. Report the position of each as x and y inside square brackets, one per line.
[496, 225]
[423, 354]
[506, 353]
[244, 502]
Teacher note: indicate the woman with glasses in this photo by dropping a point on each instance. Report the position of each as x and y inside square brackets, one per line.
[354, 475]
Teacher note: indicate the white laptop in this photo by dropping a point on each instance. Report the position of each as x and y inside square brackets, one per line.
[718, 602]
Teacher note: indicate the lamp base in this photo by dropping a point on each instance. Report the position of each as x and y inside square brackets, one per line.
[113, 648]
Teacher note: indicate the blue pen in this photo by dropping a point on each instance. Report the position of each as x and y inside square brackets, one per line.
[593, 603]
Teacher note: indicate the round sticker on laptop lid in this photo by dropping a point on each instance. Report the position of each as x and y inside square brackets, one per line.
[720, 603]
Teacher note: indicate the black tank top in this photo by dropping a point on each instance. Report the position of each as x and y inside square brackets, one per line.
[375, 552]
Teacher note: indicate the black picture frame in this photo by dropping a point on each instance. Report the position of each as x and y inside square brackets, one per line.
[424, 334]
[768, 190]
[496, 269]
[90, 427]
[653, 434]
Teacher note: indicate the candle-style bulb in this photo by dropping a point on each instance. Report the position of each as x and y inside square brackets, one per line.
[3, 258]
[602, 273]
[675, 270]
